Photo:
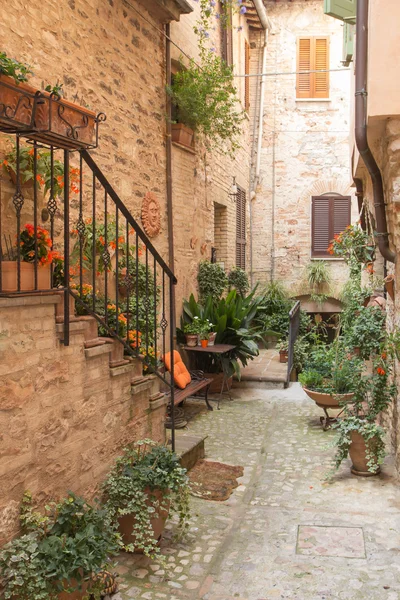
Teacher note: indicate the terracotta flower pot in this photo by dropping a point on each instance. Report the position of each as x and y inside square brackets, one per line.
[283, 356]
[204, 343]
[181, 134]
[328, 400]
[191, 339]
[127, 522]
[23, 184]
[74, 595]
[16, 103]
[357, 451]
[9, 276]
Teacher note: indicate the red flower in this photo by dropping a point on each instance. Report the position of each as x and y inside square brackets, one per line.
[381, 371]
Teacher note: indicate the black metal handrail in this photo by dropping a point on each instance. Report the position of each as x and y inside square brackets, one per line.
[109, 265]
[294, 324]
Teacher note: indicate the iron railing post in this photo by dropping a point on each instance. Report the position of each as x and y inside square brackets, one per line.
[66, 248]
[294, 322]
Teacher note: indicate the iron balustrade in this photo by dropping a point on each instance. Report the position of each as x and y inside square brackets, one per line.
[294, 324]
[109, 267]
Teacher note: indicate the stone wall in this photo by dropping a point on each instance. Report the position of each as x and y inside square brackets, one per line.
[304, 152]
[64, 413]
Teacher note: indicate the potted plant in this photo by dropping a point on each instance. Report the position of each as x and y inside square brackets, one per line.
[192, 331]
[204, 339]
[35, 246]
[59, 553]
[146, 484]
[17, 98]
[284, 351]
[367, 331]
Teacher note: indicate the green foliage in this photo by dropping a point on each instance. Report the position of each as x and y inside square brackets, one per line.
[273, 312]
[144, 468]
[353, 245]
[374, 437]
[311, 380]
[368, 331]
[212, 280]
[58, 551]
[232, 318]
[317, 273]
[13, 68]
[239, 280]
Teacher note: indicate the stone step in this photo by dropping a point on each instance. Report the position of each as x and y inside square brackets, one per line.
[189, 448]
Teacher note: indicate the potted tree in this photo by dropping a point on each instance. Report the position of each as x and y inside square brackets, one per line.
[60, 552]
[146, 484]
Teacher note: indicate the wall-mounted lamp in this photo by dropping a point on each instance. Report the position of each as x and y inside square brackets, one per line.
[234, 189]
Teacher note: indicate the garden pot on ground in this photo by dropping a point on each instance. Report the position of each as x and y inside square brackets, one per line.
[74, 595]
[181, 134]
[9, 276]
[211, 338]
[283, 356]
[328, 400]
[216, 383]
[358, 452]
[191, 339]
[127, 522]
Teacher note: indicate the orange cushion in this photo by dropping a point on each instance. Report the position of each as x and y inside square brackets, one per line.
[181, 374]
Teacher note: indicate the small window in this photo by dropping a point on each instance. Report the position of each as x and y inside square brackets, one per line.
[246, 79]
[226, 34]
[241, 228]
[313, 55]
[330, 216]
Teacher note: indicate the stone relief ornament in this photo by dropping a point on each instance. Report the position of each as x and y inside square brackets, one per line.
[203, 248]
[193, 242]
[151, 214]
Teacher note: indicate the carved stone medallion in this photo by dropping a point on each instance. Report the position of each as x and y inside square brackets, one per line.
[151, 214]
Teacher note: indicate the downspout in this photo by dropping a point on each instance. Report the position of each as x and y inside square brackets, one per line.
[361, 130]
[360, 199]
[266, 24]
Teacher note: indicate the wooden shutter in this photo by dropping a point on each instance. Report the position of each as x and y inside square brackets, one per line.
[313, 55]
[330, 216]
[226, 34]
[241, 229]
[246, 79]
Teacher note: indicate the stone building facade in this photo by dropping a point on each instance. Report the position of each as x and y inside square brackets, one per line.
[305, 149]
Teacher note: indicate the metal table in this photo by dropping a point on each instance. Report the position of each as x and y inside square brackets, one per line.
[216, 349]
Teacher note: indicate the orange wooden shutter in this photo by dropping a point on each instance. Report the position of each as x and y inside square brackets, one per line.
[321, 80]
[313, 55]
[304, 49]
[246, 79]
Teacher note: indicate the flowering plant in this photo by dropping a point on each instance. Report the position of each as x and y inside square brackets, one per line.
[115, 320]
[193, 328]
[353, 244]
[86, 295]
[40, 237]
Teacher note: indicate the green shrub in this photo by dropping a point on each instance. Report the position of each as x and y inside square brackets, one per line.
[212, 280]
[239, 280]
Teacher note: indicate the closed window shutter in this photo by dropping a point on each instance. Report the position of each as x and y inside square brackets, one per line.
[304, 64]
[313, 55]
[321, 89]
[330, 216]
[241, 229]
[246, 79]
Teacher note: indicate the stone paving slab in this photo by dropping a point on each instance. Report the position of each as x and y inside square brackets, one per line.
[247, 547]
[265, 368]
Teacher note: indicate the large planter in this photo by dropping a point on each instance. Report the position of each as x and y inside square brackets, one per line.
[181, 134]
[17, 103]
[127, 522]
[191, 339]
[328, 400]
[75, 595]
[357, 451]
[9, 276]
[217, 381]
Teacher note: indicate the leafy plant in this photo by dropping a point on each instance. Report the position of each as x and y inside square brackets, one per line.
[59, 550]
[39, 239]
[144, 468]
[367, 331]
[353, 244]
[374, 437]
[239, 280]
[13, 68]
[212, 280]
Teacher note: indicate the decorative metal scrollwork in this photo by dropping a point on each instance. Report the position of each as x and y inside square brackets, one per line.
[18, 201]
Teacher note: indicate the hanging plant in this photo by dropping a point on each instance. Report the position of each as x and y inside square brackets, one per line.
[353, 244]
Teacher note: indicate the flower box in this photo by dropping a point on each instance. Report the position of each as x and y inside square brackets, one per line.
[182, 135]
[9, 276]
[17, 103]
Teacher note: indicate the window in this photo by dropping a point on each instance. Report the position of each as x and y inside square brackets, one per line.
[330, 216]
[241, 228]
[226, 35]
[246, 79]
[312, 55]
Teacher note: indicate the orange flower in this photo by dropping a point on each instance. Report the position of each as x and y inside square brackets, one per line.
[381, 371]
[370, 268]
[102, 240]
[31, 152]
[5, 163]
[384, 355]
[113, 245]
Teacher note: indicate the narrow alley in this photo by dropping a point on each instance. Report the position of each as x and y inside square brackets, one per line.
[285, 532]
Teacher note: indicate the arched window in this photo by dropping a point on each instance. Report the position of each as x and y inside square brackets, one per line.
[330, 214]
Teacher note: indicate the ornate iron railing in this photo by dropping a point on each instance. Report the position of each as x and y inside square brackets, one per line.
[71, 233]
[294, 324]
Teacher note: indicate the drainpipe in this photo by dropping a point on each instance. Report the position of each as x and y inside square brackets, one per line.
[360, 198]
[361, 130]
[266, 24]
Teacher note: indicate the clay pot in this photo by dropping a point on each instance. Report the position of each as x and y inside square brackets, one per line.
[283, 356]
[211, 338]
[23, 184]
[181, 134]
[126, 523]
[204, 343]
[328, 400]
[389, 284]
[74, 595]
[216, 383]
[9, 276]
[357, 451]
[17, 102]
[191, 339]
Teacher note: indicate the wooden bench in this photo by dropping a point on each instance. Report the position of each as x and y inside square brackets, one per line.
[199, 382]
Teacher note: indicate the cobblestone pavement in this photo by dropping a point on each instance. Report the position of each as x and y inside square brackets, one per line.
[285, 532]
